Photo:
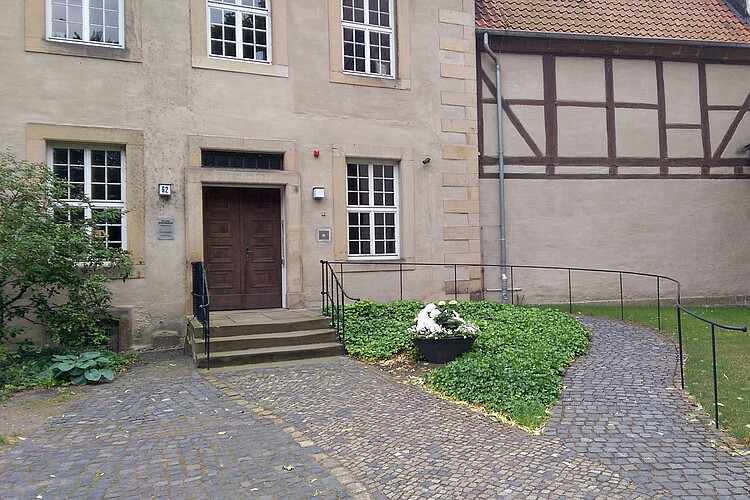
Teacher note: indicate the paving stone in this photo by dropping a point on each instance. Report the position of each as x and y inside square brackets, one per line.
[121, 442]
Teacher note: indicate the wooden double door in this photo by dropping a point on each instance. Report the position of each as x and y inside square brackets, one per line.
[242, 247]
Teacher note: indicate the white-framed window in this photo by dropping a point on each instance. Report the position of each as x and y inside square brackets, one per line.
[372, 209]
[98, 22]
[369, 46]
[99, 174]
[239, 29]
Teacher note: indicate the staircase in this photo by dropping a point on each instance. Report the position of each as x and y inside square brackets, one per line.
[263, 336]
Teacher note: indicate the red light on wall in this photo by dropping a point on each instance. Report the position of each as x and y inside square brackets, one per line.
[316, 153]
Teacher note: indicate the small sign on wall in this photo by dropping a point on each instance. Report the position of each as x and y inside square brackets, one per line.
[165, 229]
[165, 190]
[324, 235]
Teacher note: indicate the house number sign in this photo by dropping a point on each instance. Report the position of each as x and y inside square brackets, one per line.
[165, 229]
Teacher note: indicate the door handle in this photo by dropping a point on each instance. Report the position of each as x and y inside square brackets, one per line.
[247, 254]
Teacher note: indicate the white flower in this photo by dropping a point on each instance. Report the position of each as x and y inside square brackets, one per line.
[452, 303]
[441, 303]
[427, 327]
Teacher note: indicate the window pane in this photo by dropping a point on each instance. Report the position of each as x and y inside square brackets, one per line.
[98, 174]
[114, 158]
[113, 175]
[98, 192]
[76, 174]
[76, 156]
[114, 192]
[60, 156]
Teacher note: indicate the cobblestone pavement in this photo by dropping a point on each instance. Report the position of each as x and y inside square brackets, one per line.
[162, 431]
[620, 430]
[342, 429]
[621, 408]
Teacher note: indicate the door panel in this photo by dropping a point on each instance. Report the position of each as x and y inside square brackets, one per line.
[242, 247]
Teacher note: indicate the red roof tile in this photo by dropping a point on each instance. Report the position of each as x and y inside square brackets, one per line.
[707, 20]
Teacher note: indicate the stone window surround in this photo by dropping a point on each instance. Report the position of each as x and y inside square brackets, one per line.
[288, 180]
[402, 80]
[35, 35]
[40, 136]
[279, 65]
[402, 157]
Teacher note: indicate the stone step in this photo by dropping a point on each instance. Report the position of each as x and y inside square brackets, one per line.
[224, 328]
[262, 340]
[270, 354]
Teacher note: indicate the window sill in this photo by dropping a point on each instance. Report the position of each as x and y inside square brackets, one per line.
[83, 49]
[354, 265]
[370, 80]
[250, 67]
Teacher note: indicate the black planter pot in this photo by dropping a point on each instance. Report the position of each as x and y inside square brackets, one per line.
[445, 349]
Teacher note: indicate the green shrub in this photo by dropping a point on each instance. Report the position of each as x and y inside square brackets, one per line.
[54, 264]
[378, 331]
[515, 366]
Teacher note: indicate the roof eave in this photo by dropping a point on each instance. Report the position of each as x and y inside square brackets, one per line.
[609, 38]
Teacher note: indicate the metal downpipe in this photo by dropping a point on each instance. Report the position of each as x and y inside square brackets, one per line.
[501, 165]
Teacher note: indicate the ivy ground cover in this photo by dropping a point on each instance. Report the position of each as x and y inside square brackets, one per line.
[514, 368]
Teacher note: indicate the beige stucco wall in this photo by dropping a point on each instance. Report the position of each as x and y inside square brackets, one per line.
[166, 89]
[691, 230]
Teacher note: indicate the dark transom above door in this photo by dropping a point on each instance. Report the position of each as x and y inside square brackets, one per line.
[242, 247]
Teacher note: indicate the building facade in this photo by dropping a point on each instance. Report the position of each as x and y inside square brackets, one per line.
[261, 136]
[625, 138]
[239, 109]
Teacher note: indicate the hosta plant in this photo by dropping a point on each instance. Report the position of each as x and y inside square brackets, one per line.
[80, 369]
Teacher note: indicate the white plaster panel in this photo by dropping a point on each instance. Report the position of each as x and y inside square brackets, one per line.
[720, 122]
[582, 131]
[513, 143]
[521, 76]
[634, 80]
[684, 143]
[727, 84]
[532, 119]
[637, 132]
[681, 92]
[580, 79]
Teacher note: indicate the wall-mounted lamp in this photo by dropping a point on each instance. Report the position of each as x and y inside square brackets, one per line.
[319, 193]
[426, 160]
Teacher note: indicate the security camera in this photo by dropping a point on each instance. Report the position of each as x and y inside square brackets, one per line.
[428, 159]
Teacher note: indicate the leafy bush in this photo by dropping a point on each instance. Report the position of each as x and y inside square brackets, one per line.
[515, 366]
[86, 367]
[20, 370]
[378, 331]
[53, 260]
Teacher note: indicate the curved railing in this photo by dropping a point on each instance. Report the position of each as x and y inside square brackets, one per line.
[334, 296]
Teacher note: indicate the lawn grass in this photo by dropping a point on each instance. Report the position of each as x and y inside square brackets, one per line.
[732, 356]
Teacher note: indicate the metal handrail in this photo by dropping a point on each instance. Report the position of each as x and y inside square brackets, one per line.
[334, 304]
[328, 275]
[202, 306]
